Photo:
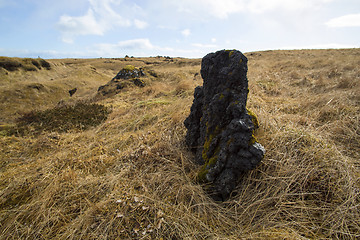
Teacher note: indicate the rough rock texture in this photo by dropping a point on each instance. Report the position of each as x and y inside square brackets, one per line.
[127, 76]
[220, 128]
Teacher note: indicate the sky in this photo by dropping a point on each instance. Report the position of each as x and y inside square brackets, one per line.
[176, 28]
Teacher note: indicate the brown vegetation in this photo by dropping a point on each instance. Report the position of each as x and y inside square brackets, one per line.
[27, 64]
[131, 177]
[62, 118]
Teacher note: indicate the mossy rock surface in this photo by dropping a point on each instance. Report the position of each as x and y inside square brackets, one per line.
[220, 128]
[129, 72]
[126, 77]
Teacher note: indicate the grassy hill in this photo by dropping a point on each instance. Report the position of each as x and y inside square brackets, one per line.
[130, 176]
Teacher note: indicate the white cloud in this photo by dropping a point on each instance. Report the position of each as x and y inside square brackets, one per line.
[213, 40]
[140, 46]
[106, 14]
[172, 28]
[83, 25]
[201, 45]
[140, 24]
[260, 6]
[222, 9]
[186, 32]
[350, 20]
[100, 18]
[219, 9]
[141, 43]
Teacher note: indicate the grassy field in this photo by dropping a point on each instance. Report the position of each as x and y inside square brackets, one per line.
[130, 176]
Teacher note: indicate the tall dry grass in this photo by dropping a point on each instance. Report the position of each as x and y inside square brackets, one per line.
[132, 177]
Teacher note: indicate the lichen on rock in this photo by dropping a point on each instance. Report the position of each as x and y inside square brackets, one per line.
[129, 72]
[220, 127]
[127, 76]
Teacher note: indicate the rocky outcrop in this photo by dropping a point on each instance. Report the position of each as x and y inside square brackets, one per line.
[220, 128]
[129, 75]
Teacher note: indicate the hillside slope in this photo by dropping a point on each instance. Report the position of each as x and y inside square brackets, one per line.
[131, 177]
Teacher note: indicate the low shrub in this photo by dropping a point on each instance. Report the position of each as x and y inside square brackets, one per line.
[45, 64]
[28, 64]
[9, 64]
[79, 116]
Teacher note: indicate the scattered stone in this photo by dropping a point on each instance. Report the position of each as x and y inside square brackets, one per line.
[127, 76]
[37, 86]
[220, 127]
[72, 91]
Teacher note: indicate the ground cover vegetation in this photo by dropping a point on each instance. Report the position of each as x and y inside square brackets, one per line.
[129, 175]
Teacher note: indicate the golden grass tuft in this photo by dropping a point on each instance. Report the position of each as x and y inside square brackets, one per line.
[131, 177]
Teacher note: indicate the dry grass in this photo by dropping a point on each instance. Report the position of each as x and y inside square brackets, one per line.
[63, 118]
[132, 177]
[26, 64]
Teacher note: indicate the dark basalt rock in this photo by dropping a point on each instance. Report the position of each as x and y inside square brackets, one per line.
[127, 76]
[220, 128]
[72, 91]
[129, 72]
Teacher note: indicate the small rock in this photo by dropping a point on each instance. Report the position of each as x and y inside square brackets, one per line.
[72, 91]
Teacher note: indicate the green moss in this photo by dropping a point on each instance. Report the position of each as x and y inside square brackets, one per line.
[253, 139]
[221, 96]
[209, 160]
[254, 118]
[129, 68]
[255, 121]
[212, 161]
[208, 164]
[201, 177]
[231, 52]
[207, 143]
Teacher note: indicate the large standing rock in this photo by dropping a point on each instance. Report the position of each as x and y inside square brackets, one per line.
[220, 128]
